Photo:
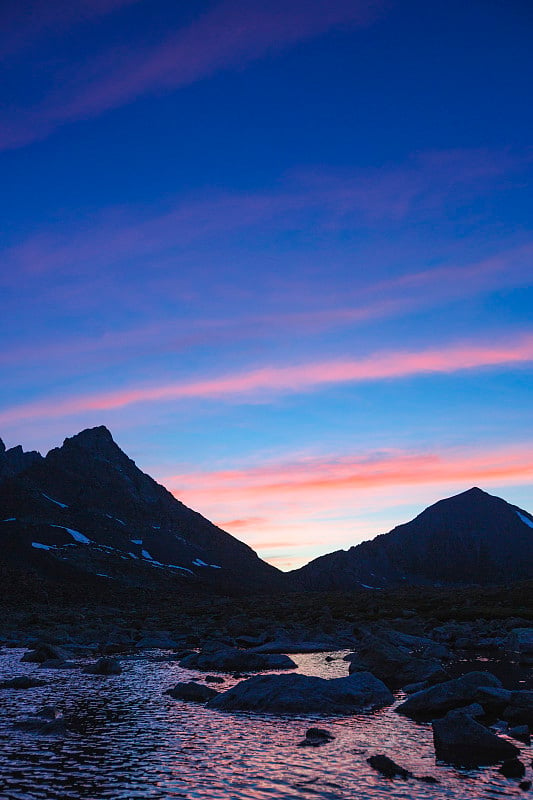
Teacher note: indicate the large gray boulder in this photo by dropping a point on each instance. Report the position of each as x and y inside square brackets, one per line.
[438, 700]
[519, 710]
[395, 664]
[232, 660]
[302, 694]
[192, 691]
[460, 739]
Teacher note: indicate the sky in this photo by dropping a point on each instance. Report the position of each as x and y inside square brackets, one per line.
[283, 250]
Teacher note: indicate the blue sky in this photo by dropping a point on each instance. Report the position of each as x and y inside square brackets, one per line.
[284, 251]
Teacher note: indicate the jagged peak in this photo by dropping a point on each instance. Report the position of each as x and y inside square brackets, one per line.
[2, 446]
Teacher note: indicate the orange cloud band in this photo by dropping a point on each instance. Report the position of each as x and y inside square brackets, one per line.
[292, 378]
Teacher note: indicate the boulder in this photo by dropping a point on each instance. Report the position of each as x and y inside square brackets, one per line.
[460, 740]
[296, 694]
[291, 646]
[47, 720]
[394, 664]
[388, 767]
[438, 700]
[316, 737]
[519, 710]
[195, 692]
[44, 652]
[520, 641]
[21, 682]
[104, 666]
[230, 659]
[513, 768]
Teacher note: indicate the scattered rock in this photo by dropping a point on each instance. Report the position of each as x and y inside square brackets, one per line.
[57, 663]
[213, 679]
[47, 720]
[394, 664]
[525, 785]
[438, 700]
[104, 666]
[295, 693]
[44, 652]
[513, 768]
[519, 711]
[195, 692]
[315, 737]
[388, 767]
[21, 682]
[521, 733]
[230, 659]
[460, 740]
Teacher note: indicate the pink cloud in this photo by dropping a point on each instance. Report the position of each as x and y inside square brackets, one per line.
[268, 381]
[231, 33]
[316, 504]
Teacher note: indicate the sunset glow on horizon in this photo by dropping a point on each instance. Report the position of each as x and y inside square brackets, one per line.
[283, 251]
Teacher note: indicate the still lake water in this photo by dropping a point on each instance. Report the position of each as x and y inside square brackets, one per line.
[126, 739]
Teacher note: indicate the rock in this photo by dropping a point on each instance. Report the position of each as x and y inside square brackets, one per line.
[525, 785]
[291, 646]
[195, 692]
[57, 663]
[156, 642]
[460, 740]
[21, 682]
[315, 737]
[104, 666]
[213, 679]
[232, 660]
[47, 720]
[519, 710]
[520, 641]
[44, 652]
[388, 767]
[513, 768]
[295, 694]
[438, 700]
[521, 733]
[394, 664]
[494, 700]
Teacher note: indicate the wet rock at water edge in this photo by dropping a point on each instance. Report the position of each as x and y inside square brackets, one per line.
[44, 652]
[438, 700]
[47, 720]
[229, 659]
[460, 740]
[388, 767]
[295, 693]
[315, 737]
[521, 733]
[21, 682]
[213, 679]
[519, 711]
[525, 785]
[57, 663]
[104, 666]
[394, 663]
[513, 768]
[194, 692]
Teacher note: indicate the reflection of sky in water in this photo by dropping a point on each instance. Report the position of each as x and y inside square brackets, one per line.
[131, 741]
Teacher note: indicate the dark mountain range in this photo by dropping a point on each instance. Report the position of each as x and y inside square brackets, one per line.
[86, 510]
[472, 538]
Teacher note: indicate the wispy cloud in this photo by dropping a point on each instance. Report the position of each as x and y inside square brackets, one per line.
[320, 199]
[408, 292]
[23, 22]
[269, 381]
[229, 34]
[306, 506]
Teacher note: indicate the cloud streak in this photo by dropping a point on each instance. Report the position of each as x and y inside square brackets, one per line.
[231, 33]
[269, 381]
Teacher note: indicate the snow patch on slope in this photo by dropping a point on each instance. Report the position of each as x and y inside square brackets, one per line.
[525, 519]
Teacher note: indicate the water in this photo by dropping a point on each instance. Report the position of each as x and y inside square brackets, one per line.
[129, 741]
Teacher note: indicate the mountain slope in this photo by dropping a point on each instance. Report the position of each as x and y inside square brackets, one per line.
[471, 538]
[87, 507]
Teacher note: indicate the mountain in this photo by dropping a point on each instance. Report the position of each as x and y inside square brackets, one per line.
[471, 538]
[86, 509]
